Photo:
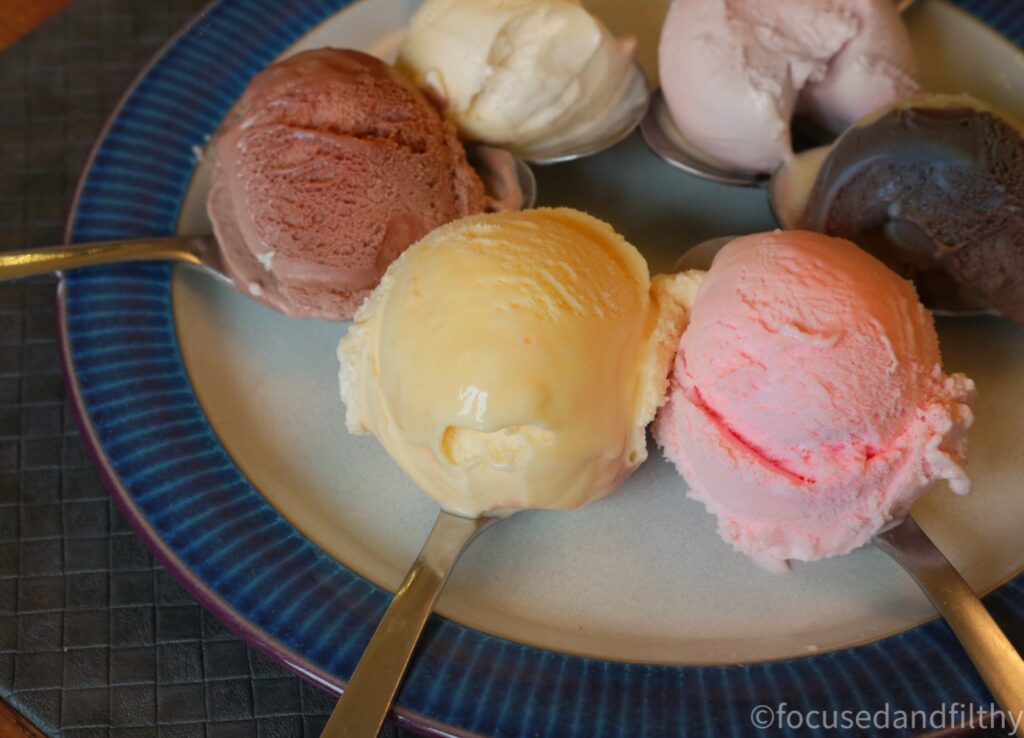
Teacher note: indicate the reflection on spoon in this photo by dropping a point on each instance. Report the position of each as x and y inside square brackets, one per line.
[508, 181]
[664, 139]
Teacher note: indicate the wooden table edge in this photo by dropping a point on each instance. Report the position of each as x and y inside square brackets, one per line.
[15, 725]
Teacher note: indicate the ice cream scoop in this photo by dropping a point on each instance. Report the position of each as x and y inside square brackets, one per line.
[512, 361]
[505, 361]
[543, 78]
[329, 166]
[997, 661]
[807, 405]
[934, 186]
[735, 72]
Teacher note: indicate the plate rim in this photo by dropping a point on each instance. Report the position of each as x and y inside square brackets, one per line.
[247, 631]
[207, 596]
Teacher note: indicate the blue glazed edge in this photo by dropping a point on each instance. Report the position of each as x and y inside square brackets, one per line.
[135, 405]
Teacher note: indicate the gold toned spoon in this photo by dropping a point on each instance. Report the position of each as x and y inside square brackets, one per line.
[372, 688]
[995, 658]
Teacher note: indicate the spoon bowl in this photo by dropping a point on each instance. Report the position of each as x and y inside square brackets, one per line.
[632, 109]
[663, 137]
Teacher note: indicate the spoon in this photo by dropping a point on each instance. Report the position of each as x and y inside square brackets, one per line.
[664, 138]
[987, 646]
[367, 698]
[995, 658]
[203, 251]
[630, 115]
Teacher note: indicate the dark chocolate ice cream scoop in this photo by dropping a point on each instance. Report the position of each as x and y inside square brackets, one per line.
[934, 186]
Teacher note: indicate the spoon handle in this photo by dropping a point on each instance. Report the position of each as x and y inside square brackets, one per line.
[366, 700]
[988, 647]
[15, 264]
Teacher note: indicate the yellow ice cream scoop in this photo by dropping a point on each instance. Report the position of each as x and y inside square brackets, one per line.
[513, 360]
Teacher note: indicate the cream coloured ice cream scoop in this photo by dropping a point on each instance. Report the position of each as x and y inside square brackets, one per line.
[511, 361]
[542, 78]
[506, 361]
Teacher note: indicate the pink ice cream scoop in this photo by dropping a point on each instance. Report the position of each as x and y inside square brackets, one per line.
[328, 168]
[734, 72]
[807, 404]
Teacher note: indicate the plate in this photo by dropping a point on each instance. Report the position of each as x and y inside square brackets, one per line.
[217, 426]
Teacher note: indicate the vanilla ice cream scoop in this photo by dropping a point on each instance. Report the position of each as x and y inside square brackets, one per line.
[513, 361]
[532, 76]
[734, 72]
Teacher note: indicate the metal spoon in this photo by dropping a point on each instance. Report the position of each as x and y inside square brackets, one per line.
[667, 142]
[373, 685]
[664, 139]
[201, 251]
[636, 101]
[995, 658]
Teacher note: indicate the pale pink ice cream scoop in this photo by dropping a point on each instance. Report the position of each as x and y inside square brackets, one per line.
[734, 72]
[807, 403]
[329, 167]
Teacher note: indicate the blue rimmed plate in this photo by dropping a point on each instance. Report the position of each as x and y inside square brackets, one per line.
[218, 427]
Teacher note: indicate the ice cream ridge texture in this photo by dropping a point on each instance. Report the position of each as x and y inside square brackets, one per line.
[329, 167]
[513, 360]
[734, 72]
[936, 184]
[807, 404]
[521, 74]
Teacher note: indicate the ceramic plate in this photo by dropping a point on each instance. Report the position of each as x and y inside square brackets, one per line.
[219, 429]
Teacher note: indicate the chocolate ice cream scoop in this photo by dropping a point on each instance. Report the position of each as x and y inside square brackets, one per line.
[329, 167]
[934, 186]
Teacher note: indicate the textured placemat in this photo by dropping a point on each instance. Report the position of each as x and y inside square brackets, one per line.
[95, 639]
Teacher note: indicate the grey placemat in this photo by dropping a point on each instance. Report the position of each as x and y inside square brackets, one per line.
[95, 639]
